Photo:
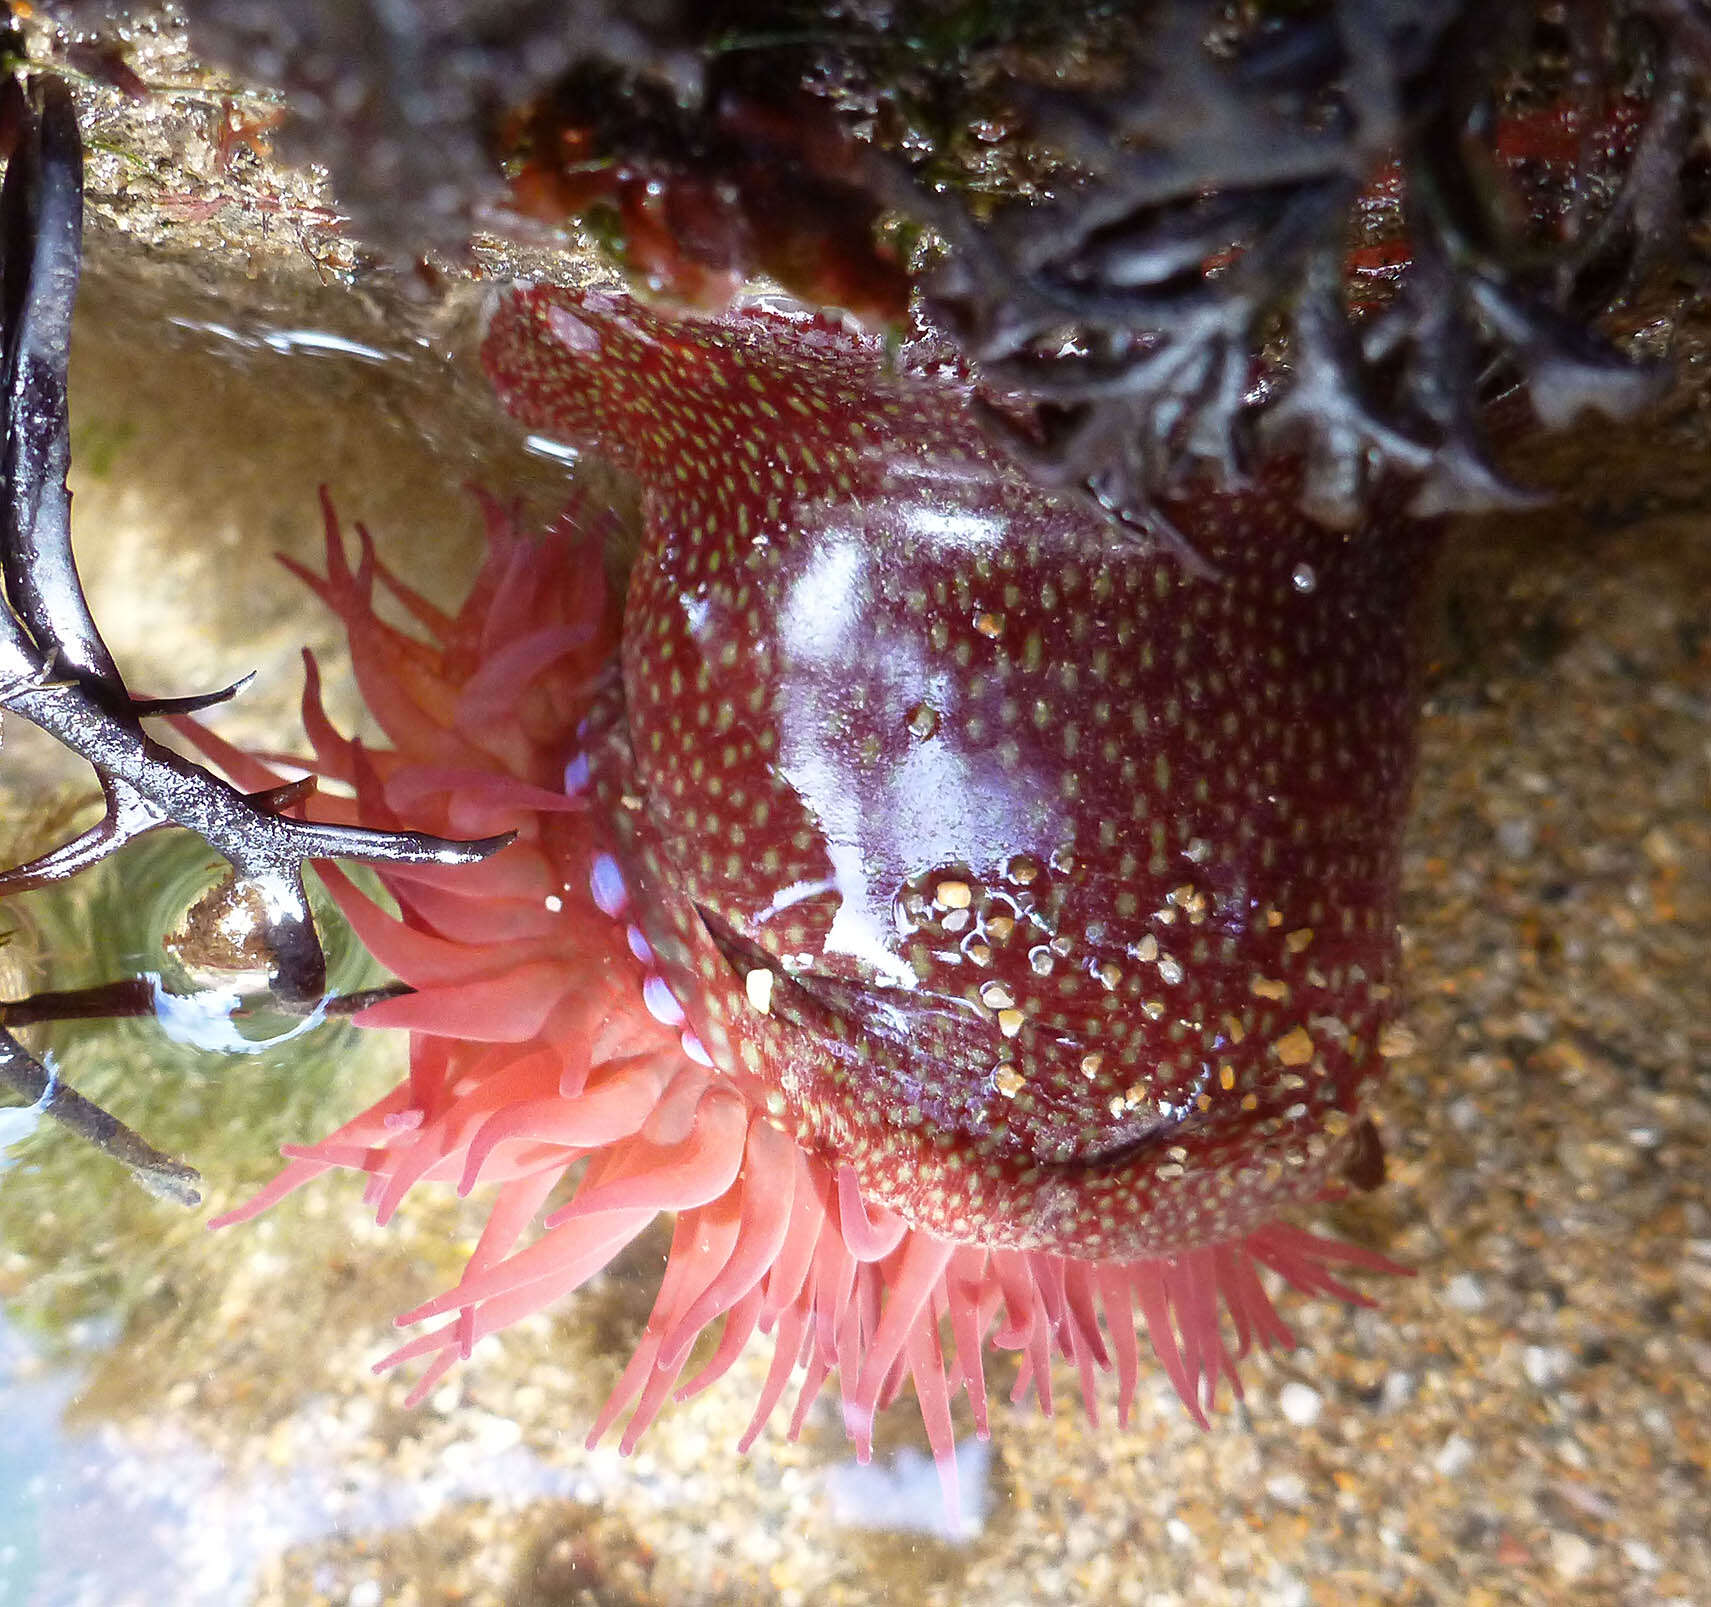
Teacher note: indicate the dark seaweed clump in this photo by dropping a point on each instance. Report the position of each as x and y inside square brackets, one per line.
[1172, 238]
[1341, 231]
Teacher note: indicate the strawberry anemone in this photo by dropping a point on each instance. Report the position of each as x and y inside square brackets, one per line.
[548, 1057]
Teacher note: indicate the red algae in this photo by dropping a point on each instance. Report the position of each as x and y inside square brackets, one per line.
[975, 928]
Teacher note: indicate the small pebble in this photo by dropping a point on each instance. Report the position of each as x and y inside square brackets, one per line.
[1517, 836]
[1300, 1403]
[1571, 1556]
[1640, 1555]
[1465, 1292]
[1454, 1457]
[1546, 1365]
[1398, 1390]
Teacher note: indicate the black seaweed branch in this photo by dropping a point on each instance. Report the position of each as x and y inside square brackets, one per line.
[56, 671]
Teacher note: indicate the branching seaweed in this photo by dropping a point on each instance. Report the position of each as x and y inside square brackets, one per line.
[1219, 185]
[56, 671]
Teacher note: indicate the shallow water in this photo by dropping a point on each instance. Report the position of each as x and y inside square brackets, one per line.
[191, 1417]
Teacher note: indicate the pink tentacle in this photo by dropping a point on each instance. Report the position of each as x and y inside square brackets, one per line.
[602, 1115]
[688, 1174]
[911, 1280]
[740, 1322]
[765, 1190]
[560, 1260]
[871, 1233]
[507, 1008]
